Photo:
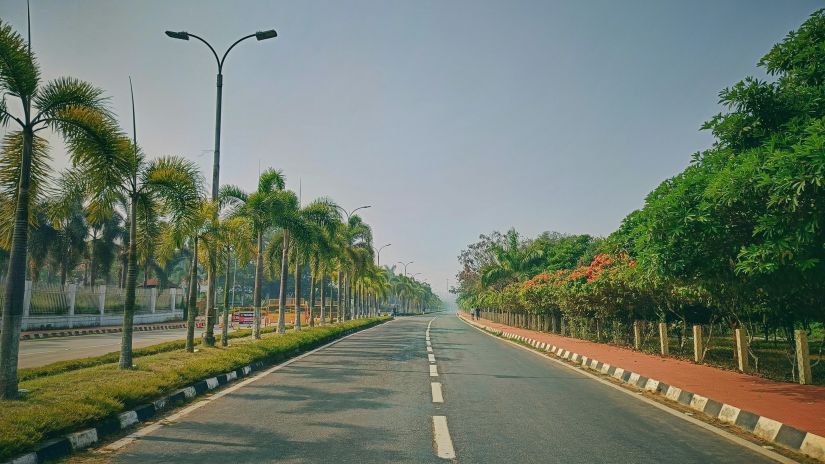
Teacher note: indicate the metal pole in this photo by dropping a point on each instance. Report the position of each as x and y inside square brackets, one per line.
[216, 160]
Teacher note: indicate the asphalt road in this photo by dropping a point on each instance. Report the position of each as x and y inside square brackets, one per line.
[369, 399]
[39, 352]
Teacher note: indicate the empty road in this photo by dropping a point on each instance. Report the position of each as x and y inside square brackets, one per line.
[400, 393]
[39, 352]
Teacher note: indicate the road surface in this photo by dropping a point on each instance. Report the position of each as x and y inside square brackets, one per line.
[39, 352]
[370, 399]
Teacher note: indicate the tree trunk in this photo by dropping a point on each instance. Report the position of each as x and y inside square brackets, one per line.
[256, 295]
[313, 271]
[323, 297]
[297, 323]
[16, 277]
[131, 282]
[338, 295]
[211, 307]
[193, 299]
[284, 275]
[93, 263]
[225, 329]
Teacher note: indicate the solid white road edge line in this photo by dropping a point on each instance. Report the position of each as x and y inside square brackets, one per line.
[438, 396]
[441, 437]
[729, 436]
[143, 431]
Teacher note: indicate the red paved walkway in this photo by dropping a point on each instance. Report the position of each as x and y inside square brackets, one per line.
[800, 406]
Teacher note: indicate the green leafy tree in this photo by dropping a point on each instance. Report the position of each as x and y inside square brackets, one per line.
[77, 112]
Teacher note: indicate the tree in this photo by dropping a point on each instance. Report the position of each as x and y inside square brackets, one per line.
[311, 231]
[164, 187]
[269, 206]
[77, 112]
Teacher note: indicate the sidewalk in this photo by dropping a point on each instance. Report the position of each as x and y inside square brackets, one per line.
[799, 406]
[36, 334]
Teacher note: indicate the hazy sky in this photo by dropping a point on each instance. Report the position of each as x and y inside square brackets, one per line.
[451, 118]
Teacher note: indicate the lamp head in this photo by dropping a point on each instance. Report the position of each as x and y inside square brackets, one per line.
[182, 35]
[263, 35]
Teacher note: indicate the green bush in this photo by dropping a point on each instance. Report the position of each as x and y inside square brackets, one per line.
[66, 401]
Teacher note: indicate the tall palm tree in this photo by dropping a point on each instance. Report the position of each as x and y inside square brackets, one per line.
[235, 237]
[312, 231]
[189, 231]
[164, 187]
[513, 261]
[269, 206]
[356, 255]
[77, 112]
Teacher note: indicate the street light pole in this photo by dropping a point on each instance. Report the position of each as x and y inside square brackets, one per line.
[209, 338]
[350, 213]
[182, 35]
[379, 253]
[405, 266]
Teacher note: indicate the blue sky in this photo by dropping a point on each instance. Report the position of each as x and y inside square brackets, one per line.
[452, 118]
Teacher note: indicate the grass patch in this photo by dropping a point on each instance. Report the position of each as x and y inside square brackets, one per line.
[69, 400]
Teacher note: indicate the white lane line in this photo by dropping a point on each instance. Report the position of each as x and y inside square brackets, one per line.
[429, 343]
[441, 436]
[438, 397]
[429, 349]
[431, 357]
[433, 371]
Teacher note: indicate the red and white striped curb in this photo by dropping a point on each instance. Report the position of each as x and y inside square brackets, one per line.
[98, 330]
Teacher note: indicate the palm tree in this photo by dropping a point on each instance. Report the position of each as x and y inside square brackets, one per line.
[235, 237]
[312, 231]
[513, 261]
[356, 255]
[77, 112]
[267, 207]
[65, 212]
[191, 228]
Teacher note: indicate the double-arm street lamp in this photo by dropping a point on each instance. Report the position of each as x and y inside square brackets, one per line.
[405, 266]
[182, 35]
[350, 213]
[379, 253]
[216, 159]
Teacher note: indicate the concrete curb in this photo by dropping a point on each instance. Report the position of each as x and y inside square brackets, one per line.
[58, 448]
[97, 330]
[762, 427]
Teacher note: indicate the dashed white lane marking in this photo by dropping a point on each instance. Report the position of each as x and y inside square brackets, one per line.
[438, 397]
[441, 436]
[429, 349]
[433, 371]
[429, 343]
[431, 357]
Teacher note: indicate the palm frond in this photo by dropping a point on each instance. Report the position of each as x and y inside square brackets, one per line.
[271, 180]
[19, 73]
[66, 93]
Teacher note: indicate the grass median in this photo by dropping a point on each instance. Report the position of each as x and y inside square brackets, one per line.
[66, 401]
